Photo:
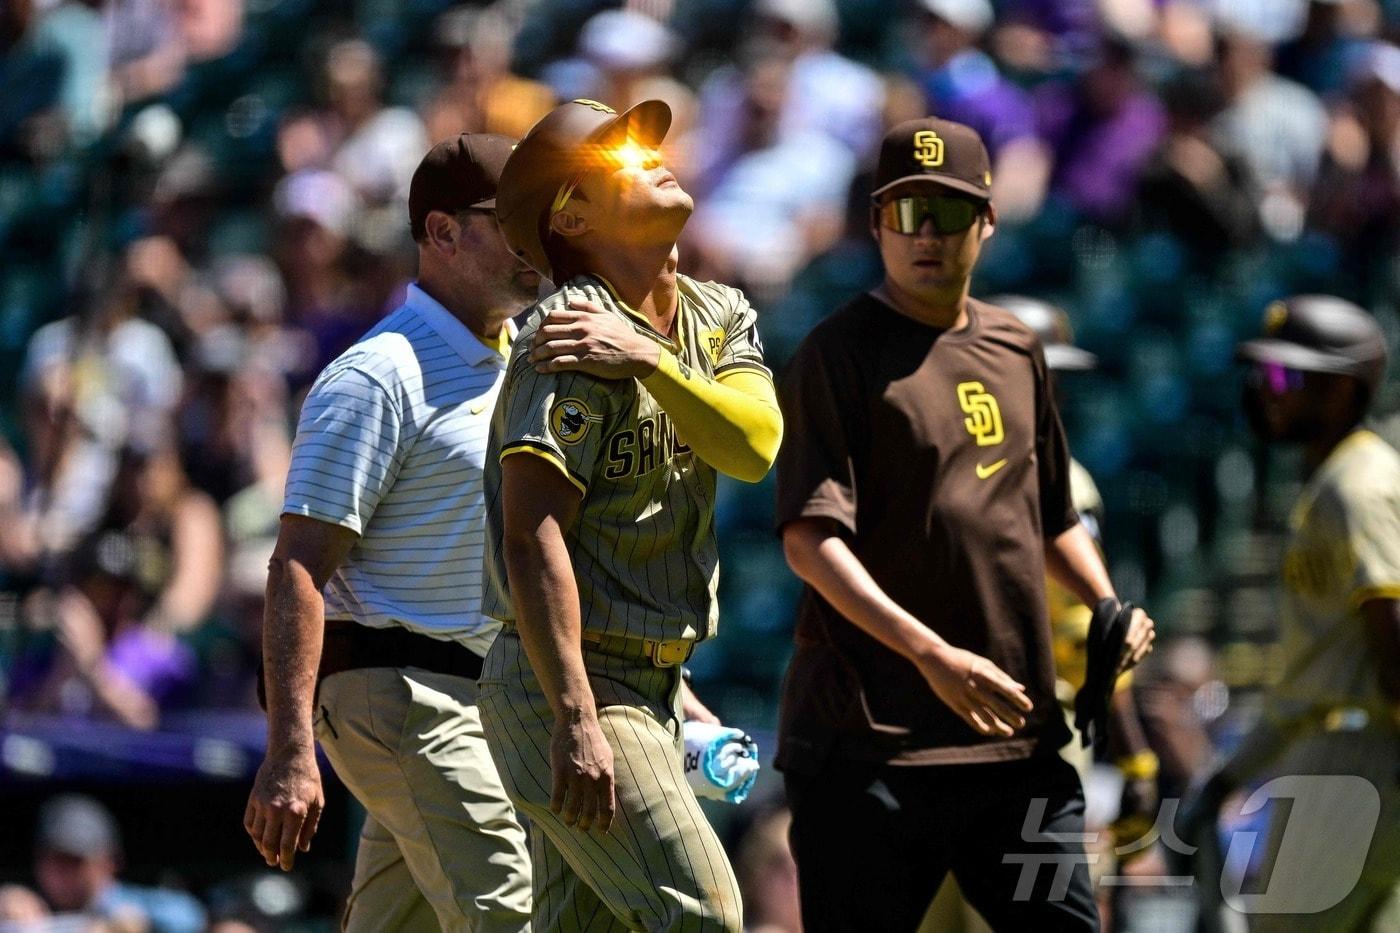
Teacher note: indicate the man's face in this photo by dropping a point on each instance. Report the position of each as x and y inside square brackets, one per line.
[1288, 405]
[73, 882]
[631, 198]
[487, 263]
[926, 261]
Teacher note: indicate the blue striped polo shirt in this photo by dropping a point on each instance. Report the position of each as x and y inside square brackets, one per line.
[391, 444]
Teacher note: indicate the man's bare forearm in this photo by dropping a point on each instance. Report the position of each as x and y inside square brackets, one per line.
[547, 616]
[1073, 560]
[293, 625]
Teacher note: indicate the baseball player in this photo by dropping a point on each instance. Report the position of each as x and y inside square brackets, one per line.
[922, 493]
[374, 621]
[631, 386]
[1069, 617]
[1315, 370]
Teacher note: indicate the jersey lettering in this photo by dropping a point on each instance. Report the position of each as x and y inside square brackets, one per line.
[636, 453]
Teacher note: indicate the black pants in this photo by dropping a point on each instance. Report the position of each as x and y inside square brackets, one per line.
[873, 844]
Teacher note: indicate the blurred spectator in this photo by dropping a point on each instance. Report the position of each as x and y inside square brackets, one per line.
[481, 95]
[1333, 34]
[316, 210]
[767, 876]
[30, 77]
[208, 29]
[1104, 128]
[963, 83]
[1188, 188]
[147, 573]
[1357, 196]
[826, 92]
[1276, 126]
[87, 381]
[77, 858]
[147, 54]
[780, 202]
[625, 58]
[375, 148]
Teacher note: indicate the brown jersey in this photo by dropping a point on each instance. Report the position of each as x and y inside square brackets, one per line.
[941, 457]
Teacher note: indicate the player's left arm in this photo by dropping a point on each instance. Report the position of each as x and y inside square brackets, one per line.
[732, 422]
[1072, 557]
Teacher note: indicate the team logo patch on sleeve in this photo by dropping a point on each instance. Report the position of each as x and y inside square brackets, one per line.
[570, 420]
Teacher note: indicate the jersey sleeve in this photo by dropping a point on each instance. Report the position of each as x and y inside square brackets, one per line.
[816, 472]
[1057, 512]
[347, 450]
[742, 348]
[1373, 530]
[565, 418]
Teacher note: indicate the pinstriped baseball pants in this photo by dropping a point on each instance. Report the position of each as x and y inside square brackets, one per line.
[661, 866]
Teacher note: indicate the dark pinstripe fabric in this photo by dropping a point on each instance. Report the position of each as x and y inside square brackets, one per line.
[661, 867]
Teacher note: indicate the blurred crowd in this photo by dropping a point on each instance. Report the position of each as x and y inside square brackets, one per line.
[202, 202]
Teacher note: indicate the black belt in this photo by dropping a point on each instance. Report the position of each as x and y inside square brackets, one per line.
[349, 646]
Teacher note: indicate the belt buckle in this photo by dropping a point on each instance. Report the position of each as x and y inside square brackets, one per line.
[670, 653]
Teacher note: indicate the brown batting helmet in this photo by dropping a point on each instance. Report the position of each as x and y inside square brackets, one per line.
[1321, 333]
[570, 140]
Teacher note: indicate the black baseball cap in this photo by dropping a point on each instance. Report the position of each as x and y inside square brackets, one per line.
[569, 140]
[938, 152]
[1050, 324]
[1320, 333]
[455, 175]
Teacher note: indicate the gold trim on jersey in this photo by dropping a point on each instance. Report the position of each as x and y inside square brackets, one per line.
[1365, 594]
[526, 447]
[743, 366]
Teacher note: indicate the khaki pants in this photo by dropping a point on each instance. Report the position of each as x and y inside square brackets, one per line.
[442, 847]
[661, 866]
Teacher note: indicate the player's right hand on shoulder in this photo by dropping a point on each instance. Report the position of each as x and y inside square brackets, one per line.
[982, 694]
[285, 805]
[581, 762]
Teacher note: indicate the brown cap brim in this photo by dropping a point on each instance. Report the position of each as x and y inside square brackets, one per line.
[647, 122]
[954, 184]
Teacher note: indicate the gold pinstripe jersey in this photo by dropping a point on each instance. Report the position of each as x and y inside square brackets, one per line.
[643, 545]
[1345, 550]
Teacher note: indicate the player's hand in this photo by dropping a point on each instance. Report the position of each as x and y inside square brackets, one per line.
[285, 805]
[1137, 644]
[982, 694]
[586, 338]
[581, 762]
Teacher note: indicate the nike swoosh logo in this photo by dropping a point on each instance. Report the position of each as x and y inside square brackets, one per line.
[985, 471]
[478, 409]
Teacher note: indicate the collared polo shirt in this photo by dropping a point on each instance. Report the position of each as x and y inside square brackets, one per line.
[391, 444]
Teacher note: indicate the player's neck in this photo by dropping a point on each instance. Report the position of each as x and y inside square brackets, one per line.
[944, 311]
[643, 279]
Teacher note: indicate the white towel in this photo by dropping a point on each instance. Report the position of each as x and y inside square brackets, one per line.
[720, 763]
